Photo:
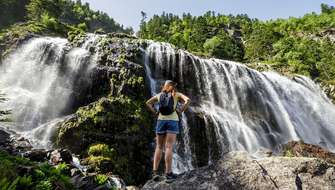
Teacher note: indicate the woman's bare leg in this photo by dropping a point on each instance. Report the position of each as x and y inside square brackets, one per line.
[170, 140]
[160, 141]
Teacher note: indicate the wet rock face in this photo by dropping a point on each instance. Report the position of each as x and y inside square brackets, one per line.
[89, 182]
[38, 155]
[58, 156]
[6, 143]
[329, 89]
[239, 171]
[117, 122]
[11, 42]
[16, 144]
[202, 136]
[115, 114]
[22, 144]
[4, 139]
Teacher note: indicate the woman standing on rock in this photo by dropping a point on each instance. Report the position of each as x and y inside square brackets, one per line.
[167, 126]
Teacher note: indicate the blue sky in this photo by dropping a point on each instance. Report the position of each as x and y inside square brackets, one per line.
[128, 12]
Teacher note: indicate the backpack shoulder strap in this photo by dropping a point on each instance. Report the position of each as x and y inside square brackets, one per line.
[158, 96]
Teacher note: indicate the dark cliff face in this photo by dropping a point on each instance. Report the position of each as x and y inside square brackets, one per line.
[115, 113]
[107, 103]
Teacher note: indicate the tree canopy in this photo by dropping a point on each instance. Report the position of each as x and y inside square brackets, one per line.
[64, 11]
[302, 45]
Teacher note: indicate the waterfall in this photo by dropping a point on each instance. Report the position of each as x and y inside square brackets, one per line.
[238, 108]
[40, 79]
[233, 107]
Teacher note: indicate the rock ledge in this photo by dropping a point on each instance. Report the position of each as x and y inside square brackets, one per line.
[239, 171]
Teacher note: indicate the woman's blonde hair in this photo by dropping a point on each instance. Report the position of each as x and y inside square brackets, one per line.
[169, 88]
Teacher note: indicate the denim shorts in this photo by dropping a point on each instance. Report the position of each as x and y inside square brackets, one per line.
[167, 126]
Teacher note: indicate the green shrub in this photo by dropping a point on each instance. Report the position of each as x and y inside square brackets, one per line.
[38, 174]
[82, 26]
[44, 185]
[223, 46]
[101, 150]
[301, 45]
[49, 22]
[101, 179]
[288, 153]
[25, 182]
[73, 13]
[7, 185]
[43, 176]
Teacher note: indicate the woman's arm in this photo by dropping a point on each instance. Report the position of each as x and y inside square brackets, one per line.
[186, 101]
[150, 104]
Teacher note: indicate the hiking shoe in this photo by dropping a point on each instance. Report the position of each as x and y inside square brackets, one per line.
[170, 177]
[155, 176]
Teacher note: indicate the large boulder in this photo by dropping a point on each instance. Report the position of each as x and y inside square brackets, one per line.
[239, 171]
[4, 139]
[118, 122]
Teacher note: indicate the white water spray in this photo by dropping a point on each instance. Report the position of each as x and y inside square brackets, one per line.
[238, 108]
[39, 80]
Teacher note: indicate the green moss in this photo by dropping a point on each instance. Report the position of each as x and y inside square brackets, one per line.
[119, 119]
[109, 110]
[19, 30]
[122, 58]
[101, 179]
[105, 159]
[288, 153]
[101, 150]
[115, 131]
[76, 36]
[331, 82]
[96, 160]
[136, 81]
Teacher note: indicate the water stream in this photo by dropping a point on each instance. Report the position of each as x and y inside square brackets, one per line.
[40, 78]
[233, 107]
[238, 108]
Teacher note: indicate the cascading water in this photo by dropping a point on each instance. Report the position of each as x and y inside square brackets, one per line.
[233, 107]
[238, 108]
[40, 80]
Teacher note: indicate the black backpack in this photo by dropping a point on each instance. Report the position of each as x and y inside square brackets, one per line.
[166, 103]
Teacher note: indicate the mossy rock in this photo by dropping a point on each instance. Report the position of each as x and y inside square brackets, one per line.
[121, 35]
[101, 150]
[123, 124]
[329, 89]
[106, 160]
